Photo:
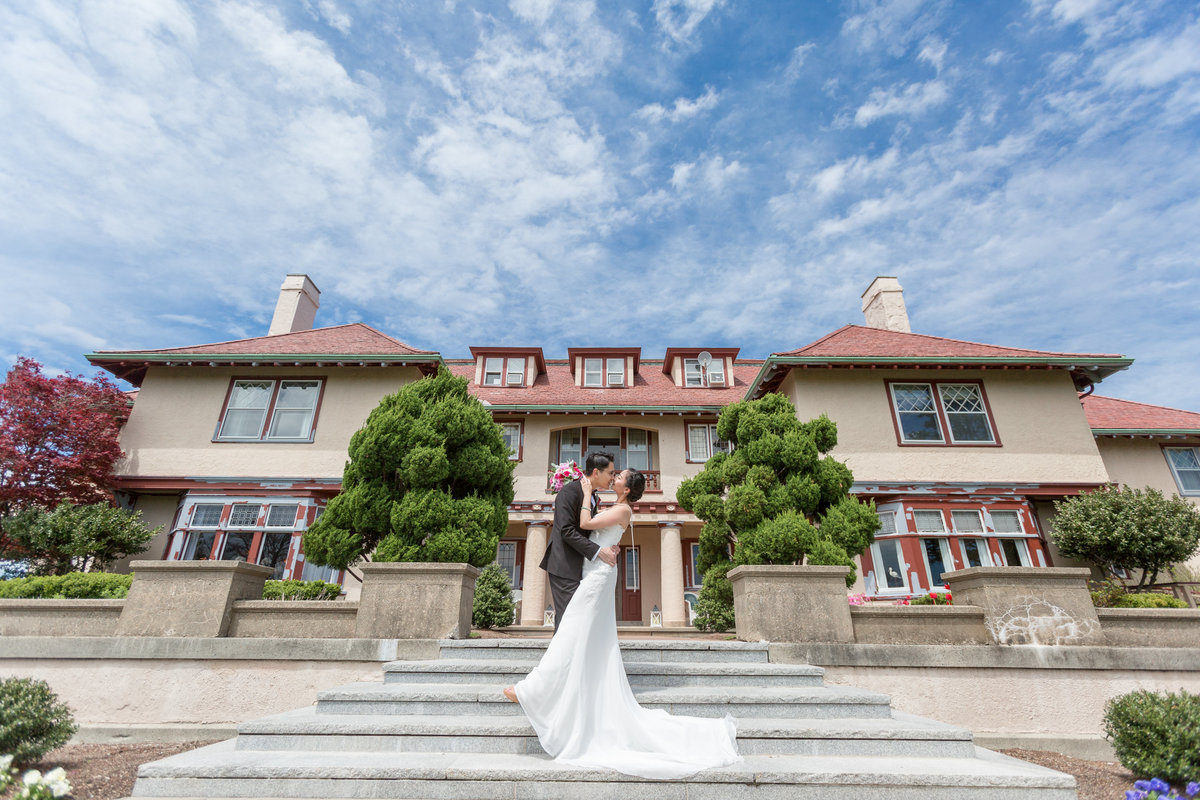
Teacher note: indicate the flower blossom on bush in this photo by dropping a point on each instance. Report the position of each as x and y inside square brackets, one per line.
[1158, 789]
[36, 786]
[856, 599]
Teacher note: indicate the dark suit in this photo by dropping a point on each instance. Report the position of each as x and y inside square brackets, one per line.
[568, 547]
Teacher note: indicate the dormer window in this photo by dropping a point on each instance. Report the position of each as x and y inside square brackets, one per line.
[699, 369]
[604, 368]
[504, 371]
[507, 367]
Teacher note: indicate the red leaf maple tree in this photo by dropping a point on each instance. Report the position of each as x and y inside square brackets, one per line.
[58, 438]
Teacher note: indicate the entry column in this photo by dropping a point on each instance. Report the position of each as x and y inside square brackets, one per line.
[533, 578]
[671, 565]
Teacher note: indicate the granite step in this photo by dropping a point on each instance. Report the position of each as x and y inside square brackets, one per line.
[652, 650]
[808, 702]
[306, 729]
[220, 771]
[641, 674]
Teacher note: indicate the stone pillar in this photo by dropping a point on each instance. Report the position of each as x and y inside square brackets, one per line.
[187, 598]
[790, 603]
[533, 579]
[1030, 605]
[674, 610]
[417, 600]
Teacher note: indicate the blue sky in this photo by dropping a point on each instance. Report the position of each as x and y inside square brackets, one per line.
[685, 171]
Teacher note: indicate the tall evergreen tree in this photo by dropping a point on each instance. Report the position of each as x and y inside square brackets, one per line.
[428, 479]
[777, 498]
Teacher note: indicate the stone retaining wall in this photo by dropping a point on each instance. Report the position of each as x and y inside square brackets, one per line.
[59, 617]
[881, 624]
[283, 619]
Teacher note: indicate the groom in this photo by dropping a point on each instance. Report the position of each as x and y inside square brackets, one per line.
[568, 545]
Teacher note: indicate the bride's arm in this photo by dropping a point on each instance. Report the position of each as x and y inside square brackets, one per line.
[616, 515]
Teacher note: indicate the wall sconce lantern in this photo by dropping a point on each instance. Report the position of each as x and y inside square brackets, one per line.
[548, 617]
[655, 618]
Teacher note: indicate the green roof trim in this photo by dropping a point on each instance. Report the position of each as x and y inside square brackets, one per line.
[202, 357]
[772, 362]
[611, 409]
[1146, 431]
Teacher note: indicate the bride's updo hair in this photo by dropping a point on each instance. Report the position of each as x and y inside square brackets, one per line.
[636, 483]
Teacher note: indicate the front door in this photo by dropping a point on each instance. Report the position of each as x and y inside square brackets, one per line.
[629, 585]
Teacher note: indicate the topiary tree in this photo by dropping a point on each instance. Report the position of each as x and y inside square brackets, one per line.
[777, 497]
[493, 606]
[1127, 528]
[73, 538]
[428, 480]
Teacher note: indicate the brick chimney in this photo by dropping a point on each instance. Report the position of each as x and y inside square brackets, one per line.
[299, 299]
[883, 305]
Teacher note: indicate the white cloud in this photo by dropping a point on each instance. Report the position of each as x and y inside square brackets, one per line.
[680, 18]
[334, 16]
[1154, 61]
[933, 51]
[912, 100]
[795, 64]
[537, 11]
[891, 25]
[682, 108]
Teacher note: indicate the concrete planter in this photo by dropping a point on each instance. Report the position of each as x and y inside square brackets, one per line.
[885, 624]
[188, 598]
[416, 601]
[59, 617]
[1031, 605]
[789, 603]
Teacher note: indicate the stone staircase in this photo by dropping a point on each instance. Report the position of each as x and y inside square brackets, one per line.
[442, 729]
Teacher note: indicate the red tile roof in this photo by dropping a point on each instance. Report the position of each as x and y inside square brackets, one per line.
[353, 339]
[1109, 413]
[861, 341]
[651, 388]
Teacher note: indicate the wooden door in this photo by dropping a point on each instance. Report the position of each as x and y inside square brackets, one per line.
[629, 584]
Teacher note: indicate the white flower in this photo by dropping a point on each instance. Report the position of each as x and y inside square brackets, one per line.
[61, 788]
[31, 777]
[5, 763]
[55, 775]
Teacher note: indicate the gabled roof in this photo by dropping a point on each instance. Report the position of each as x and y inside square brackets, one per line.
[853, 345]
[556, 392]
[605, 352]
[1109, 416]
[355, 342]
[691, 352]
[512, 352]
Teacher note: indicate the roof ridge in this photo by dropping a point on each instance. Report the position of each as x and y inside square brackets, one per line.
[815, 342]
[844, 328]
[244, 339]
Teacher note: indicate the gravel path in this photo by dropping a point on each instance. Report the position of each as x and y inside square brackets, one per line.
[107, 771]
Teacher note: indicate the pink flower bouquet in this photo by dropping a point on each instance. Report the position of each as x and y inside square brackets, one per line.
[563, 474]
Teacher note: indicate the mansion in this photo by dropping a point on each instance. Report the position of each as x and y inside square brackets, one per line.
[234, 448]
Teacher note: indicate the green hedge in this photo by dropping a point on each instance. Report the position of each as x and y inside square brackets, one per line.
[301, 590]
[108, 586]
[1149, 600]
[73, 585]
[33, 721]
[1156, 735]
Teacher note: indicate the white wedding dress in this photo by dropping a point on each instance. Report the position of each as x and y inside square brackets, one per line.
[579, 701]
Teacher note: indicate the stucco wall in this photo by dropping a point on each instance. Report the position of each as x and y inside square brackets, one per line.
[1141, 462]
[156, 510]
[1038, 419]
[170, 430]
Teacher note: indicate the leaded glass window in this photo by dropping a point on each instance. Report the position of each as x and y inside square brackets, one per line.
[917, 412]
[1185, 463]
[965, 413]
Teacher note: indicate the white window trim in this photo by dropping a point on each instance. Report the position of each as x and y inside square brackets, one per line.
[699, 374]
[1007, 534]
[987, 418]
[899, 420]
[609, 373]
[312, 418]
[508, 371]
[978, 514]
[984, 552]
[488, 363]
[193, 525]
[291, 526]
[947, 558]
[719, 364]
[1021, 544]
[262, 425]
[697, 578]
[599, 373]
[1175, 474]
[881, 586]
[941, 516]
[515, 455]
[230, 525]
[711, 437]
[637, 571]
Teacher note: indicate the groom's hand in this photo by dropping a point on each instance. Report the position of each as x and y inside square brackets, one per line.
[609, 555]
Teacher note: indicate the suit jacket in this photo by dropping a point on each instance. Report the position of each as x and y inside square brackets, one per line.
[568, 545]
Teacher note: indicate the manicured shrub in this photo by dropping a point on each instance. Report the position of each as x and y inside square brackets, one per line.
[1108, 592]
[1150, 600]
[1155, 734]
[32, 720]
[73, 585]
[494, 605]
[300, 590]
[74, 538]
[714, 606]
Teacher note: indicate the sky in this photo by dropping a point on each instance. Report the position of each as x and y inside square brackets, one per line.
[559, 173]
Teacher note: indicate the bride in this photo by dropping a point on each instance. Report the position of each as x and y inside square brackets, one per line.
[578, 697]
